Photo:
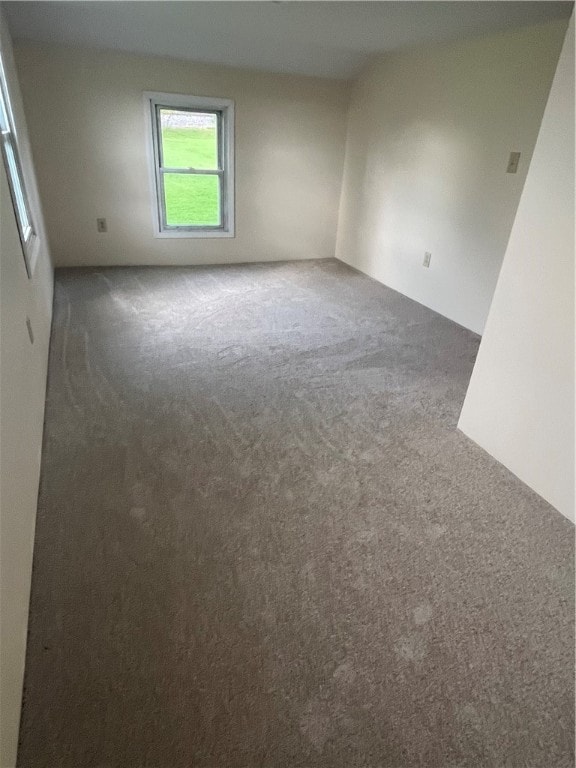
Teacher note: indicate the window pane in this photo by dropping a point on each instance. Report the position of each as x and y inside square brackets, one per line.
[17, 189]
[4, 124]
[192, 201]
[189, 139]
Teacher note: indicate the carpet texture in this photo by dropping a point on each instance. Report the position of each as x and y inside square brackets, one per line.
[261, 540]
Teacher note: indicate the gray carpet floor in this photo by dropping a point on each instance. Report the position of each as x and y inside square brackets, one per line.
[262, 542]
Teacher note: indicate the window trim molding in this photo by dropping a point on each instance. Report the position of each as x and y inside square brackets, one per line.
[153, 99]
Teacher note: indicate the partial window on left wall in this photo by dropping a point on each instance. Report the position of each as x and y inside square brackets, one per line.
[11, 157]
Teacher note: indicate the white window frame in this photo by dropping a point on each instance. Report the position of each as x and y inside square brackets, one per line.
[225, 111]
[16, 183]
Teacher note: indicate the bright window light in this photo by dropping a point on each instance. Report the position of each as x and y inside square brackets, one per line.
[13, 167]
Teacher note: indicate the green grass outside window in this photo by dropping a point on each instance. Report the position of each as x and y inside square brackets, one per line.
[191, 200]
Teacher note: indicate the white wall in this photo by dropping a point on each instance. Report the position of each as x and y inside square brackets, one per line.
[429, 135]
[520, 402]
[88, 133]
[22, 393]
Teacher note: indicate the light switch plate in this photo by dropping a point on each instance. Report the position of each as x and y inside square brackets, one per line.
[30, 331]
[513, 162]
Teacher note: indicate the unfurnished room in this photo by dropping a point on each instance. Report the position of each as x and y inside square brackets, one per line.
[287, 469]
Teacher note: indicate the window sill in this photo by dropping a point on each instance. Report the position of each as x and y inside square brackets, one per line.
[189, 233]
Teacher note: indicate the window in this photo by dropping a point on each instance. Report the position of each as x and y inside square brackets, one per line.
[192, 161]
[14, 173]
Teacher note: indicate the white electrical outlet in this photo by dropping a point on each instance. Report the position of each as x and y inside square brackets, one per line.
[427, 257]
